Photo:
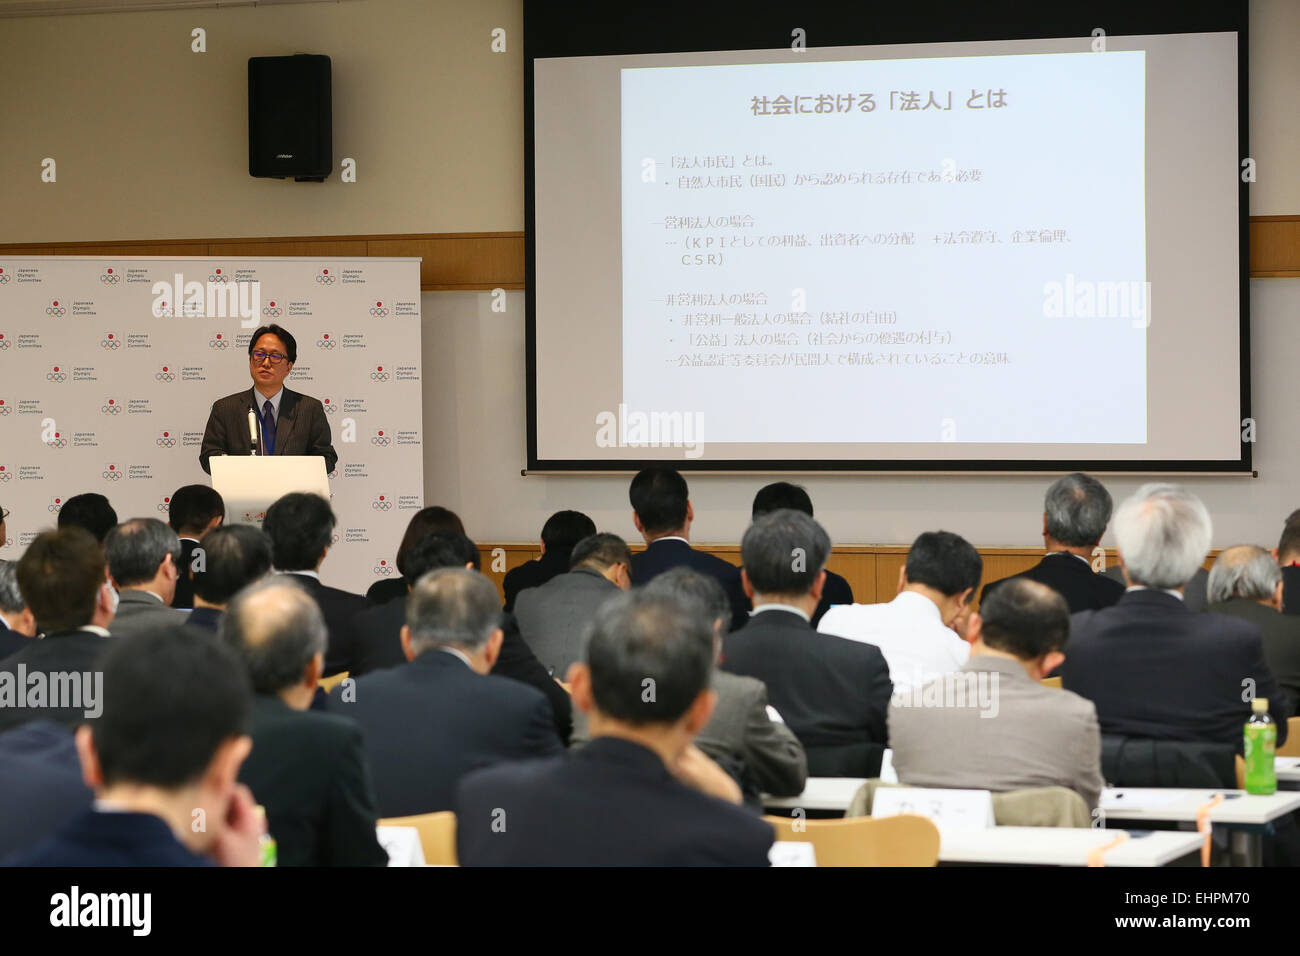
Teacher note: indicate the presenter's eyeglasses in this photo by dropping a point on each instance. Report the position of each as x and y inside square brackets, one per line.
[259, 357]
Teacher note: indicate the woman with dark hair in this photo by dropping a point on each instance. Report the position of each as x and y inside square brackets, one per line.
[430, 520]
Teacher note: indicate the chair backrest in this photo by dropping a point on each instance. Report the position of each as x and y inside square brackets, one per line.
[437, 835]
[1031, 807]
[327, 684]
[1292, 746]
[904, 840]
[1051, 682]
[1142, 762]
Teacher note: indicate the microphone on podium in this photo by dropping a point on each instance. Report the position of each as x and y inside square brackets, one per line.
[252, 431]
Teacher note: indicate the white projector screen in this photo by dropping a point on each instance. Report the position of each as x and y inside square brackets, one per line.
[1016, 254]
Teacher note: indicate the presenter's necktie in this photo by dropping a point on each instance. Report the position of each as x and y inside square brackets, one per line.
[268, 428]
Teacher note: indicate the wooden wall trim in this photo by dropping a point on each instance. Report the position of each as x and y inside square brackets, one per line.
[470, 261]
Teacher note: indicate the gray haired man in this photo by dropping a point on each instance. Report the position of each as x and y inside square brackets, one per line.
[1247, 583]
[143, 559]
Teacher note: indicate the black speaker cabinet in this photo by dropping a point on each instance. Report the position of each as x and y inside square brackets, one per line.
[289, 118]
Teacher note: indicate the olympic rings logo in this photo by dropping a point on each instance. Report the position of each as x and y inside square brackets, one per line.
[112, 344]
[325, 343]
[273, 311]
[379, 311]
[165, 376]
[4, 279]
[6, 410]
[250, 516]
[54, 506]
[334, 538]
[57, 442]
[165, 442]
[378, 376]
[379, 504]
[110, 409]
[163, 506]
[218, 344]
[324, 278]
[218, 277]
[109, 279]
[56, 376]
[56, 310]
[330, 409]
[111, 475]
[5, 476]
[380, 440]
[383, 568]
[4, 345]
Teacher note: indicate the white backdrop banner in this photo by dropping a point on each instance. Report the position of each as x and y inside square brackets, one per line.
[109, 368]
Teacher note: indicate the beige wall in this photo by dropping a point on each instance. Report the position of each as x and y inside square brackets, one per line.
[151, 139]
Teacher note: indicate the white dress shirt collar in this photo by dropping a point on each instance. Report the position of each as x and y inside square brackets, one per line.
[774, 606]
[461, 654]
[1143, 587]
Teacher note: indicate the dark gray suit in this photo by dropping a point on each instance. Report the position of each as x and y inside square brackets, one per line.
[300, 429]
[1281, 634]
[552, 617]
[138, 611]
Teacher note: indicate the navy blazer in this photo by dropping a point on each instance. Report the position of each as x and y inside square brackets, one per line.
[339, 608]
[41, 788]
[612, 803]
[664, 555]
[76, 650]
[1156, 669]
[102, 838]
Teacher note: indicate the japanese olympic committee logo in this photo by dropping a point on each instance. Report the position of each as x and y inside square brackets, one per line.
[110, 407]
[4, 277]
[324, 277]
[379, 375]
[56, 376]
[165, 375]
[325, 342]
[330, 407]
[55, 309]
[165, 505]
[4, 343]
[165, 440]
[254, 515]
[218, 342]
[379, 310]
[383, 569]
[334, 538]
[111, 473]
[271, 310]
[110, 342]
[217, 276]
[54, 505]
[109, 277]
[58, 441]
[5, 409]
[380, 439]
[5, 475]
[381, 504]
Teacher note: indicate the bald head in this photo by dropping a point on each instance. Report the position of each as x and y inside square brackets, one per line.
[1025, 619]
[277, 629]
[1244, 571]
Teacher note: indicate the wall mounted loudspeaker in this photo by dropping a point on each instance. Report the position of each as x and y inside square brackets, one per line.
[289, 118]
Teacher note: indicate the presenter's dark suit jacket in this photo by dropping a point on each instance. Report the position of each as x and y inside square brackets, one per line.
[340, 609]
[309, 770]
[1156, 669]
[433, 720]
[41, 789]
[664, 555]
[111, 839]
[612, 803]
[184, 597]
[75, 650]
[1073, 579]
[379, 646]
[831, 691]
[301, 429]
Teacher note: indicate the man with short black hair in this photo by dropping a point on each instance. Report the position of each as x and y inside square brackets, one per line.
[192, 512]
[308, 769]
[1246, 582]
[17, 623]
[562, 531]
[662, 512]
[553, 617]
[143, 556]
[229, 558]
[64, 580]
[91, 512]
[831, 692]
[1076, 510]
[992, 725]
[431, 721]
[783, 494]
[615, 802]
[921, 631]
[164, 756]
[300, 526]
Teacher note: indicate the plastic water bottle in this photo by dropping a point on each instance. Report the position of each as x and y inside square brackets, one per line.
[1260, 743]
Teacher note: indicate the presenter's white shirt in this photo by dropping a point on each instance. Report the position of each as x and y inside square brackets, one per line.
[910, 634]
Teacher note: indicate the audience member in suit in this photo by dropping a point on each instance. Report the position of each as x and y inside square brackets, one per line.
[922, 631]
[192, 512]
[380, 628]
[17, 623]
[562, 531]
[307, 769]
[165, 753]
[426, 521]
[300, 526]
[41, 788]
[64, 580]
[830, 691]
[992, 725]
[143, 556]
[662, 512]
[1076, 511]
[782, 494]
[1154, 668]
[1194, 591]
[91, 512]
[759, 750]
[1246, 582]
[1288, 558]
[231, 558]
[553, 618]
[4, 516]
[639, 794]
[433, 720]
